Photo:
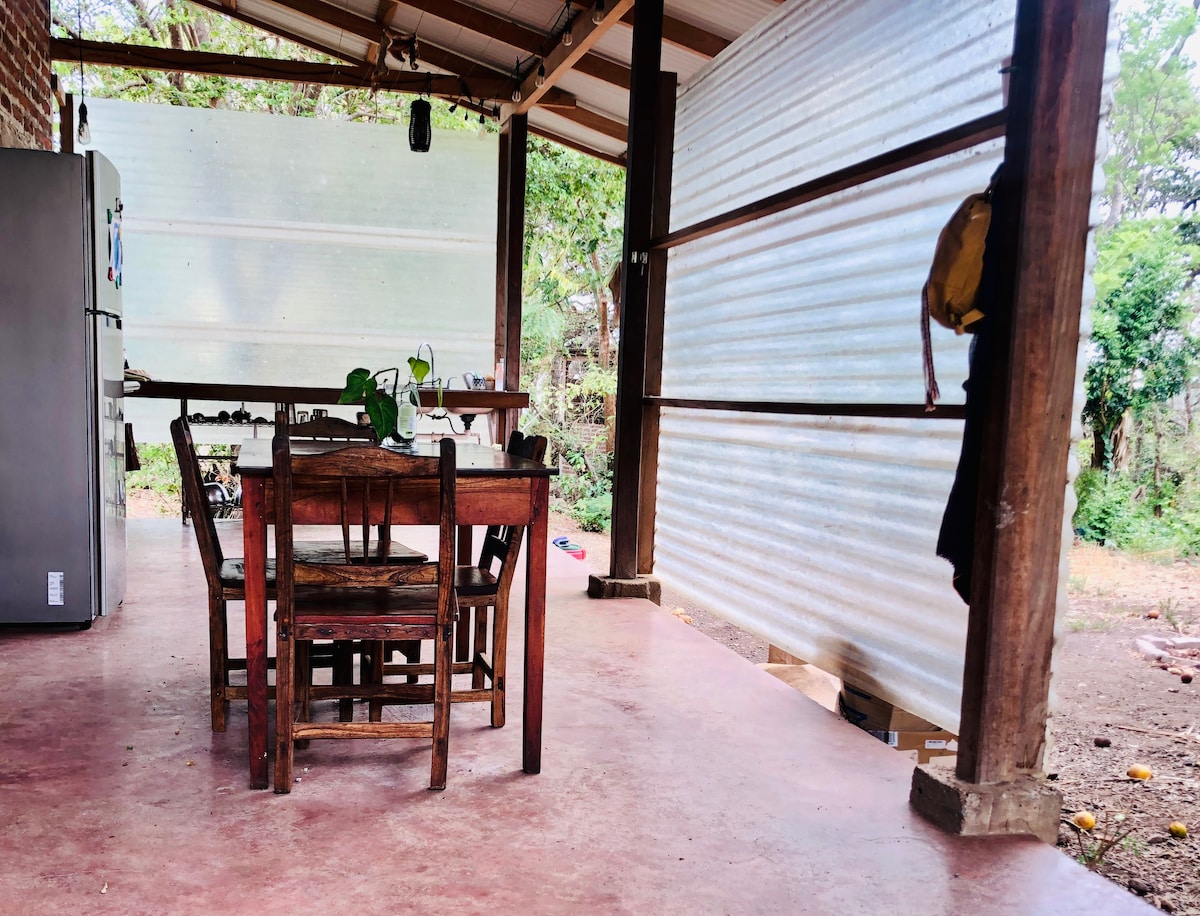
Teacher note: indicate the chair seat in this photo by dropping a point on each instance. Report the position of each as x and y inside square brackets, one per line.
[232, 571]
[473, 582]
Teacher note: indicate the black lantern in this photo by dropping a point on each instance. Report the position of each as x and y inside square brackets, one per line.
[420, 133]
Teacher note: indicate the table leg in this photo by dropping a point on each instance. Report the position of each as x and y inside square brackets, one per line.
[535, 626]
[254, 536]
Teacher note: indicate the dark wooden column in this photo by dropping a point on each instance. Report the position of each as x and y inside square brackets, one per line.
[510, 248]
[660, 225]
[1053, 113]
[635, 284]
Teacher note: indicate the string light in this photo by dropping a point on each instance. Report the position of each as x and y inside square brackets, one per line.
[598, 12]
[540, 79]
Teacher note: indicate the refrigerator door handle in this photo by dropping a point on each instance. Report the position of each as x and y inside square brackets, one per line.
[105, 313]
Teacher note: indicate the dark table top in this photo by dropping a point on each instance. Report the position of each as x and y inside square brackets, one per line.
[472, 460]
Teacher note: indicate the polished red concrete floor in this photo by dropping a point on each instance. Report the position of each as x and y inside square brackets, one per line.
[677, 778]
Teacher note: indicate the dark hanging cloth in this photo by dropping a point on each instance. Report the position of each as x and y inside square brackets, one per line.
[956, 539]
[132, 462]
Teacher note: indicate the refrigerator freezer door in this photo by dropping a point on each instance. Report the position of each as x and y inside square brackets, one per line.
[108, 385]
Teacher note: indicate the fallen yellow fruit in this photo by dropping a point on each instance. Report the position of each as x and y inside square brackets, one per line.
[1178, 830]
[1085, 820]
[1139, 771]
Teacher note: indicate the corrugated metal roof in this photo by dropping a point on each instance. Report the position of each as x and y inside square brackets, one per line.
[348, 29]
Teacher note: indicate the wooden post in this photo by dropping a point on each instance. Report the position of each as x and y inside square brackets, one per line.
[510, 252]
[660, 225]
[1058, 62]
[635, 285]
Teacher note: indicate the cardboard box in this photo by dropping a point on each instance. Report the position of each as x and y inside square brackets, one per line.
[928, 744]
[873, 714]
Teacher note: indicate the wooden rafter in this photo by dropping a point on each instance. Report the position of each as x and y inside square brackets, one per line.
[584, 34]
[143, 57]
[594, 121]
[529, 41]
[689, 37]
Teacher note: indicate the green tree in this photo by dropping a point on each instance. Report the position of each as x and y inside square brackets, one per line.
[1143, 351]
[1155, 121]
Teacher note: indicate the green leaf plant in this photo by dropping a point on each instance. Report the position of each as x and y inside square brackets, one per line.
[381, 404]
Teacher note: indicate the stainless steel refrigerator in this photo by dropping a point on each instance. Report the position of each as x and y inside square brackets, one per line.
[62, 431]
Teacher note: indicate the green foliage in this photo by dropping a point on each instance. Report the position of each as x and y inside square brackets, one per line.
[1143, 351]
[593, 513]
[160, 471]
[1155, 120]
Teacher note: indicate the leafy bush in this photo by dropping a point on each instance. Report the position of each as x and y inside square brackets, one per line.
[159, 473]
[593, 513]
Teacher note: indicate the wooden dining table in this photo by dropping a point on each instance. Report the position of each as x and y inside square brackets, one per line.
[493, 488]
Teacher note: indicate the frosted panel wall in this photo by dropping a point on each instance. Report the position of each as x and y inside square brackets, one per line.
[263, 249]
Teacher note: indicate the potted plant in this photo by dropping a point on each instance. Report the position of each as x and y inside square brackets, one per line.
[393, 412]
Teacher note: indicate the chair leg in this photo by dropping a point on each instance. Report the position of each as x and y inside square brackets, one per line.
[412, 656]
[285, 669]
[481, 642]
[374, 676]
[462, 641]
[343, 676]
[442, 669]
[499, 653]
[218, 661]
[302, 679]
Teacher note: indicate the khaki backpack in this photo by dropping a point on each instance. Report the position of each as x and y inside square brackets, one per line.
[949, 295]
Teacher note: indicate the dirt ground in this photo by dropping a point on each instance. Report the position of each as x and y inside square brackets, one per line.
[1115, 709]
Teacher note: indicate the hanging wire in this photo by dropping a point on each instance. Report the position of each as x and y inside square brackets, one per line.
[84, 132]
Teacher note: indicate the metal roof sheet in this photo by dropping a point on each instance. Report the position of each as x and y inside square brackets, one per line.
[342, 28]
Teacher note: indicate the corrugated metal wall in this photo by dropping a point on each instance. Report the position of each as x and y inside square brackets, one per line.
[818, 533]
[263, 249]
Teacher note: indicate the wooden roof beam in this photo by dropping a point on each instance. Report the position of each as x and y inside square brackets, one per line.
[584, 35]
[144, 57]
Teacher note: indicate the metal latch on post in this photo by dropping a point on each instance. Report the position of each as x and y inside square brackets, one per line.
[640, 258]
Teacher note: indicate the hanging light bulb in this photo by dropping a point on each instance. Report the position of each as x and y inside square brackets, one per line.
[568, 39]
[598, 12]
[420, 131]
[84, 133]
[540, 79]
[516, 94]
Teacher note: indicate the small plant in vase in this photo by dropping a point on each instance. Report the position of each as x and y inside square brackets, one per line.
[393, 413]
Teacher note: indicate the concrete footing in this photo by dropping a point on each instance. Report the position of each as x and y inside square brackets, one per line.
[641, 587]
[1026, 805]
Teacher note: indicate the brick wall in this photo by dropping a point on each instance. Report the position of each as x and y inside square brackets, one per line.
[25, 74]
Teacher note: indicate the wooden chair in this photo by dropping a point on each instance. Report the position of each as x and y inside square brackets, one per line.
[336, 428]
[358, 599]
[226, 576]
[480, 587]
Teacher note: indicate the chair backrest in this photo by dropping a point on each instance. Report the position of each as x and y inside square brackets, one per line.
[365, 481]
[503, 542]
[197, 504]
[331, 428]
